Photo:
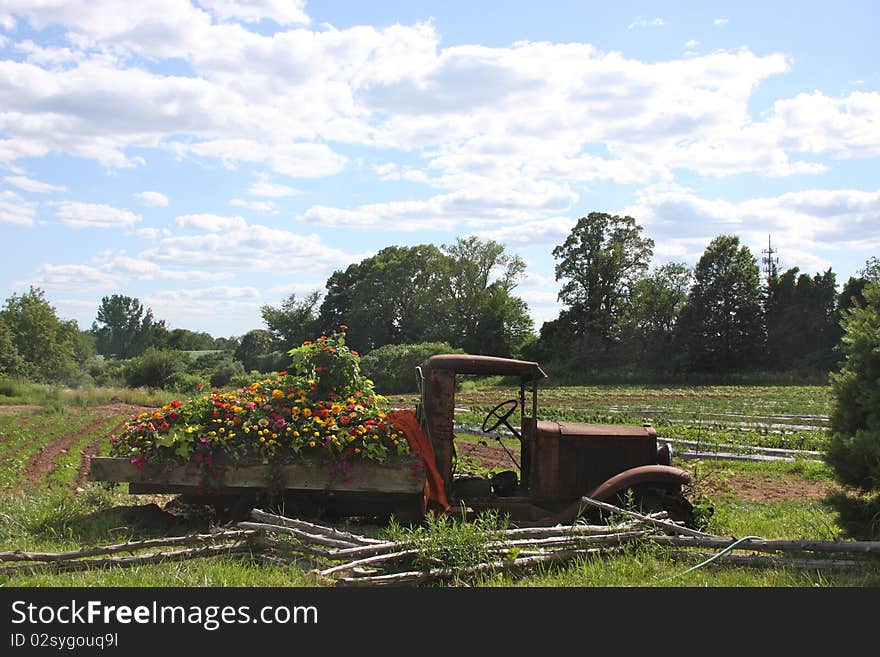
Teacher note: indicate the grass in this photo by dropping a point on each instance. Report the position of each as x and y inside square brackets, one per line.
[49, 516]
[55, 398]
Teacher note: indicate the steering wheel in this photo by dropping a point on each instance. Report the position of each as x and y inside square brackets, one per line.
[500, 417]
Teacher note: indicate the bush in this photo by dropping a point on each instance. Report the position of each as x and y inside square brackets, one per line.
[392, 367]
[224, 372]
[854, 449]
[154, 368]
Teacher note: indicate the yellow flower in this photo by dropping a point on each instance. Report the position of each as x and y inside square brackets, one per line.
[307, 412]
[277, 393]
[336, 409]
[311, 443]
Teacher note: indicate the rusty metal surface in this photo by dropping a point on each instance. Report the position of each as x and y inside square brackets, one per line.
[569, 460]
[660, 475]
[489, 365]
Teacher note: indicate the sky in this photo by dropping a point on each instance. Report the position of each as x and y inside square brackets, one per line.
[214, 156]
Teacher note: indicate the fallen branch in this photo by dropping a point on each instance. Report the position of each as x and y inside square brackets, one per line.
[312, 528]
[763, 561]
[297, 533]
[667, 526]
[131, 546]
[136, 560]
[766, 545]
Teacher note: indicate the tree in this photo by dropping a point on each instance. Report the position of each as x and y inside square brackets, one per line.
[651, 317]
[599, 264]
[483, 315]
[11, 362]
[46, 345]
[802, 320]
[293, 322]
[854, 449]
[721, 326]
[124, 329]
[186, 340]
[393, 297]
[255, 350]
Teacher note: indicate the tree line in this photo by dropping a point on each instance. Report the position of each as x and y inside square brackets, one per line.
[619, 316]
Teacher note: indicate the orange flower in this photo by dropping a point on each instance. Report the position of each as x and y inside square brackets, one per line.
[305, 342]
[343, 327]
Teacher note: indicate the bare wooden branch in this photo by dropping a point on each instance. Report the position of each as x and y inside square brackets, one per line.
[763, 561]
[375, 559]
[136, 560]
[669, 527]
[312, 528]
[131, 546]
[303, 536]
[420, 576]
[766, 545]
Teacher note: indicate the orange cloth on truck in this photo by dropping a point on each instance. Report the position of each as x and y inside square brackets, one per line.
[420, 443]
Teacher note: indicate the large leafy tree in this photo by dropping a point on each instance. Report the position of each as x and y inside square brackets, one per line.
[652, 315]
[124, 328]
[483, 315]
[802, 320]
[255, 351]
[11, 362]
[389, 298]
[293, 321]
[599, 264]
[721, 326]
[47, 346]
[460, 294]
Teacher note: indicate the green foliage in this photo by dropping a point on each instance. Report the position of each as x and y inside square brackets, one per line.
[854, 452]
[393, 367]
[11, 362]
[599, 264]
[802, 320]
[255, 350]
[460, 294]
[446, 541]
[652, 314]
[294, 321]
[124, 329]
[721, 326]
[47, 347]
[154, 369]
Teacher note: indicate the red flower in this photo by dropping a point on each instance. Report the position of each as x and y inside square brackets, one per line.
[283, 373]
[176, 404]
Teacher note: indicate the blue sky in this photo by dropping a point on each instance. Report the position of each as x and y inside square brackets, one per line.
[213, 156]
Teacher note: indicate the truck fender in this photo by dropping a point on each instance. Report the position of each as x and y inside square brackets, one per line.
[665, 476]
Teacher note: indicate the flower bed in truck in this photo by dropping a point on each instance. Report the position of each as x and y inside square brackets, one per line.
[318, 426]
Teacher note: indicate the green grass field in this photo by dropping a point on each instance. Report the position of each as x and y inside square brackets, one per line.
[47, 505]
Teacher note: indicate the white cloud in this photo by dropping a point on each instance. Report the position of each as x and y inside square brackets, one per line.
[94, 215]
[682, 223]
[152, 199]
[211, 223]
[272, 190]
[267, 207]
[691, 43]
[721, 21]
[544, 231]
[15, 210]
[31, 185]
[232, 244]
[151, 233]
[283, 12]
[468, 206]
[643, 22]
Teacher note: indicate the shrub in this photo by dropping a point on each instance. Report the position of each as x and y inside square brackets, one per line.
[154, 368]
[854, 448]
[392, 367]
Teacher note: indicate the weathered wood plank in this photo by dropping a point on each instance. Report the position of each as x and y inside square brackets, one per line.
[393, 476]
